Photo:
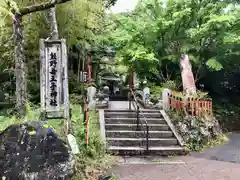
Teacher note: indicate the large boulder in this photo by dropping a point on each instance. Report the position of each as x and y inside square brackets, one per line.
[31, 151]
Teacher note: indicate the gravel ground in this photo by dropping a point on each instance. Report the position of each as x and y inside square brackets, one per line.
[193, 169]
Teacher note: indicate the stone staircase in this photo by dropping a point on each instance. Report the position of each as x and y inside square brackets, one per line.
[122, 136]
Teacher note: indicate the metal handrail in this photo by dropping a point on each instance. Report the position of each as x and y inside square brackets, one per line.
[137, 109]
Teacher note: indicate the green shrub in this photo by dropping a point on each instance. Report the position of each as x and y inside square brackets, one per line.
[76, 99]
[156, 93]
[92, 160]
[169, 84]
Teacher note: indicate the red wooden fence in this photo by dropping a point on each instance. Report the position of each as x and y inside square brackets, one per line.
[191, 106]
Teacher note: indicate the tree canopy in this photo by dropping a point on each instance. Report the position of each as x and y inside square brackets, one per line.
[148, 40]
[152, 37]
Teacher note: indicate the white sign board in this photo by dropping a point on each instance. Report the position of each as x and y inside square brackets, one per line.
[53, 77]
[83, 76]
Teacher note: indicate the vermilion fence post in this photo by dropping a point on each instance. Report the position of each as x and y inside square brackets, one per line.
[188, 109]
[199, 107]
[176, 101]
[210, 107]
[173, 101]
[179, 103]
[86, 122]
[205, 107]
[183, 105]
[192, 106]
[170, 101]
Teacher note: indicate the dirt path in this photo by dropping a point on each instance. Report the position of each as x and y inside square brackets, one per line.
[213, 164]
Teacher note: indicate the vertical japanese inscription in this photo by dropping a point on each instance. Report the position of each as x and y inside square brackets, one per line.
[53, 73]
[83, 76]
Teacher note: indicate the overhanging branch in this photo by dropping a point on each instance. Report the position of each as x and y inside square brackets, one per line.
[40, 7]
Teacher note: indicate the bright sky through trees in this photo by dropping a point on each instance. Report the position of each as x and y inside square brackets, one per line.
[124, 5]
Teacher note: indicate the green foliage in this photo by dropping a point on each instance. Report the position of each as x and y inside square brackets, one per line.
[156, 93]
[228, 115]
[170, 85]
[94, 158]
[197, 143]
[151, 38]
[6, 8]
[213, 64]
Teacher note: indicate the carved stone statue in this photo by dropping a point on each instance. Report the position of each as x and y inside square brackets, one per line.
[146, 96]
[102, 98]
[146, 92]
[106, 90]
[188, 82]
[106, 93]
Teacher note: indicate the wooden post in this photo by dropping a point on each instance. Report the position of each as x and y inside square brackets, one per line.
[192, 106]
[208, 107]
[211, 108]
[196, 106]
[205, 107]
[174, 102]
[85, 120]
[200, 108]
[89, 68]
[42, 76]
[178, 103]
[131, 80]
[171, 101]
[65, 84]
[89, 65]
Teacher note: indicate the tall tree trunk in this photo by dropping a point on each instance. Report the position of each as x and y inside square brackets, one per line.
[53, 23]
[20, 71]
[79, 68]
[54, 35]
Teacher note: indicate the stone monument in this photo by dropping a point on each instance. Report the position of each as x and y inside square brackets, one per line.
[146, 96]
[146, 92]
[165, 98]
[91, 94]
[54, 80]
[188, 82]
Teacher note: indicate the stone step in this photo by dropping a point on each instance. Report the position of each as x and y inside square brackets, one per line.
[131, 111]
[125, 120]
[132, 114]
[154, 151]
[119, 110]
[141, 141]
[136, 134]
[130, 127]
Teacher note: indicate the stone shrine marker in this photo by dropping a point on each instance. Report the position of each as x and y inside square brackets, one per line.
[188, 82]
[54, 79]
